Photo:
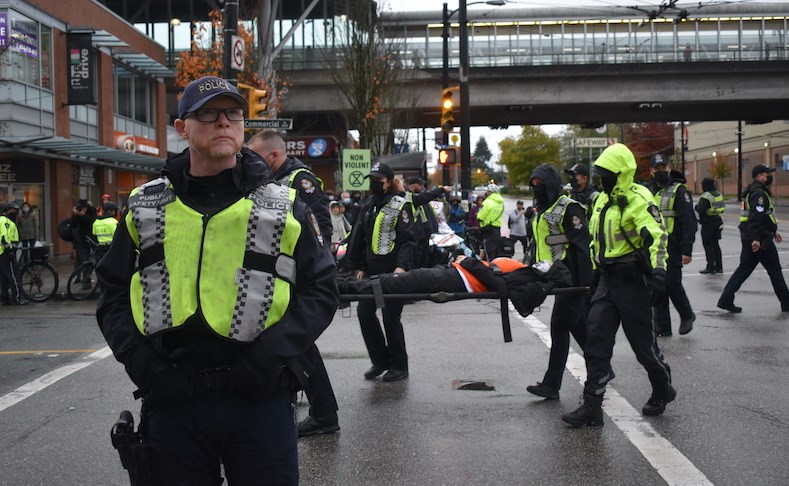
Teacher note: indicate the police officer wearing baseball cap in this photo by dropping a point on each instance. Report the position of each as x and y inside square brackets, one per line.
[383, 240]
[583, 190]
[758, 230]
[426, 218]
[676, 206]
[215, 286]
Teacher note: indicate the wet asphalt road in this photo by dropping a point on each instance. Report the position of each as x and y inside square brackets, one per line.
[730, 420]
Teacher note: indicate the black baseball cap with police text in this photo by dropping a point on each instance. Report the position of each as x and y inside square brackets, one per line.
[381, 169]
[761, 168]
[658, 159]
[201, 91]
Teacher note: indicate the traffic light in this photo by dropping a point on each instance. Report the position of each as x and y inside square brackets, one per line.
[448, 156]
[447, 103]
[256, 99]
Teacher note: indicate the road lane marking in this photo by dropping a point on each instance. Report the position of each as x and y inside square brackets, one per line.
[30, 388]
[670, 463]
[42, 351]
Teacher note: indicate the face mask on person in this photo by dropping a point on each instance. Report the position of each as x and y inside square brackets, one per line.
[574, 183]
[346, 201]
[608, 183]
[661, 177]
[540, 194]
[377, 187]
[25, 210]
[769, 180]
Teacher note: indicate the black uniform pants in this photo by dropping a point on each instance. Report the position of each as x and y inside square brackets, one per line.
[622, 297]
[386, 350]
[568, 317]
[676, 292]
[768, 257]
[524, 242]
[323, 402]
[254, 440]
[710, 237]
[9, 277]
[492, 242]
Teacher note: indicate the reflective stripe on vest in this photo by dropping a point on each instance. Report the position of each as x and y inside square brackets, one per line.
[235, 267]
[549, 224]
[717, 204]
[104, 230]
[384, 228]
[288, 179]
[745, 208]
[665, 201]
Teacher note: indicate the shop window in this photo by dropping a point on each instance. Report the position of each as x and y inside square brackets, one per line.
[135, 95]
[27, 49]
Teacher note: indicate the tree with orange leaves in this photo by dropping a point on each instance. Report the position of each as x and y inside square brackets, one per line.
[206, 58]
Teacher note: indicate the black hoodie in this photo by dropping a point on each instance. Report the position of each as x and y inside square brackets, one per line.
[574, 223]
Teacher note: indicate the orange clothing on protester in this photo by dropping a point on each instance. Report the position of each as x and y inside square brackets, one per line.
[506, 265]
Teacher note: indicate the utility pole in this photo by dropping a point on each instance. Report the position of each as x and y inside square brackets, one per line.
[465, 109]
[445, 177]
[230, 29]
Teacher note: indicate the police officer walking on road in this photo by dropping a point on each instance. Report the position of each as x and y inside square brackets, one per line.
[293, 173]
[10, 287]
[559, 231]
[676, 207]
[383, 240]
[215, 286]
[629, 253]
[490, 221]
[758, 230]
[710, 207]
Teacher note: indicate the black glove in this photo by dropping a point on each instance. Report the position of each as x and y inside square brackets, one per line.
[657, 286]
[170, 383]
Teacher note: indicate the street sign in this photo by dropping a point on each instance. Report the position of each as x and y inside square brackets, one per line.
[261, 123]
[355, 165]
[237, 57]
[595, 142]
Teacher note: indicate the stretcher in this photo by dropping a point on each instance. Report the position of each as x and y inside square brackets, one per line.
[380, 299]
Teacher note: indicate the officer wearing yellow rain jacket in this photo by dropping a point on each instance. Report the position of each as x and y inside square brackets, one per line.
[629, 254]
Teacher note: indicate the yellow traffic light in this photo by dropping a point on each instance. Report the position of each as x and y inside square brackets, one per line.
[256, 99]
[447, 104]
[448, 156]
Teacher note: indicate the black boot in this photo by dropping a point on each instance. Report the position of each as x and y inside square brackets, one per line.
[589, 413]
[707, 270]
[656, 404]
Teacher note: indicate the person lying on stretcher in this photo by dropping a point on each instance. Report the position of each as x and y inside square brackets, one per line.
[525, 286]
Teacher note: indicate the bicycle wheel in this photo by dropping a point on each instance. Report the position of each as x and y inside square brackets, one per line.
[82, 283]
[39, 281]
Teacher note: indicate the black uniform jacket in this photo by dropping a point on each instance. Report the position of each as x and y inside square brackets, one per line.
[759, 226]
[360, 255]
[430, 226]
[681, 239]
[193, 344]
[309, 188]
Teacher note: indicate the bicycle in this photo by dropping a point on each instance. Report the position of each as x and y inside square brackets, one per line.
[39, 278]
[83, 282]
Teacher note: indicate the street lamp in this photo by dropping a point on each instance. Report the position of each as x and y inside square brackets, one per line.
[465, 109]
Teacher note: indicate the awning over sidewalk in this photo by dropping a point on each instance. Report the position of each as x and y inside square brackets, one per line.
[408, 164]
[67, 149]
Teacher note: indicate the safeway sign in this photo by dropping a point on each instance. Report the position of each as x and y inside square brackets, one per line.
[596, 142]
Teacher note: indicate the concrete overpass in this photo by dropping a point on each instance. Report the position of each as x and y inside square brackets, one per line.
[582, 93]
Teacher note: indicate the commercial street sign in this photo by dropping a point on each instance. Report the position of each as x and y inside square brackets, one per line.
[262, 123]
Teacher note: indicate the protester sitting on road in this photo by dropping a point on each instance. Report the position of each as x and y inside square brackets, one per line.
[525, 286]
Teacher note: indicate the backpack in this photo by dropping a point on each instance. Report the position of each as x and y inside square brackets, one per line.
[64, 230]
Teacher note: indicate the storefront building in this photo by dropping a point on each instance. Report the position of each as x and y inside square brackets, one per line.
[82, 108]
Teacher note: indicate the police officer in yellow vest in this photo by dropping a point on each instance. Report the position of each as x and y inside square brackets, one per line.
[213, 289]
[104, 227]
[10, 288]
[559, 231]
[291, 172]
[383, 240]
[758, 230]
[676, 206]
[710, 207]
[629, 252]
[426, 219]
